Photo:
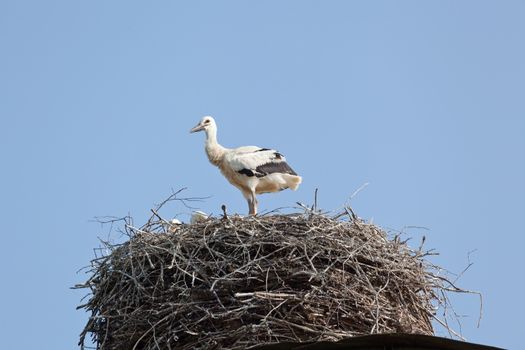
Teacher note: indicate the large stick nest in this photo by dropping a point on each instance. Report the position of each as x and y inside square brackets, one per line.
[234, 283]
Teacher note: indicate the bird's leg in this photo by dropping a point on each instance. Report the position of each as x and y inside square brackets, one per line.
[254, 203]
[251, 206]
[248, 196]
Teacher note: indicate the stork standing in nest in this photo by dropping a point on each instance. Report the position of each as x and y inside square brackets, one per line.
[251, 169]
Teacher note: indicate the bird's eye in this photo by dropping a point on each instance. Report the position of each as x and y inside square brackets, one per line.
[207, 121]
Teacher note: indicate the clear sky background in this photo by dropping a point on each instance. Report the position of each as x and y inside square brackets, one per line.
[423, 100]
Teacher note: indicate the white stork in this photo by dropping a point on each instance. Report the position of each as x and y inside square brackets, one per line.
[251, 169]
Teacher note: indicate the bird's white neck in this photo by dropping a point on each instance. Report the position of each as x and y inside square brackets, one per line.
[214, 150]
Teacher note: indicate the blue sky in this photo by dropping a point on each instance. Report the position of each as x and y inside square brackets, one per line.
[423, 100]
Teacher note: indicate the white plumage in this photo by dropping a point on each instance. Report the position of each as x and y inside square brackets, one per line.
[174, 225]
[176, 222]
[198, 216]
[251, 169]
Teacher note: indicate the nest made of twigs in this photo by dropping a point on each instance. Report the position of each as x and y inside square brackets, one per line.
[235, 283]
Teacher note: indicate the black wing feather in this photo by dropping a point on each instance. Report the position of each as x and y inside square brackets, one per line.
[274, 167]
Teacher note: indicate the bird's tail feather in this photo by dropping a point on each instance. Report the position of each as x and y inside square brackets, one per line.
[293, 181]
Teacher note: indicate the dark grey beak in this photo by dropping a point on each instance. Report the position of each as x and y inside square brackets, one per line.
[196, 128]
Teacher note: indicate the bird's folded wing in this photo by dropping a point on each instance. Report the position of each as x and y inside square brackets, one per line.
[258, 161]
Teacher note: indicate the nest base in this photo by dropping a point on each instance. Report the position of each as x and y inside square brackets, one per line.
[236, 283]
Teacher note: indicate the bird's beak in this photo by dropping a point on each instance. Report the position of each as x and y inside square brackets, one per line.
[196, 128]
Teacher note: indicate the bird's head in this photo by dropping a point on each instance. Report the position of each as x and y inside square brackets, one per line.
[206, 123]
